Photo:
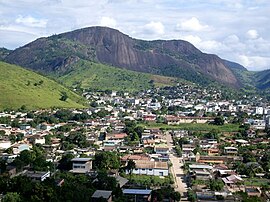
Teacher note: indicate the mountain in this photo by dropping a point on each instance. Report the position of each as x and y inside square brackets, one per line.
[58, 54]
[96, 76]
[234, 65]
[262, 79]
[3, 53]
[19, 86]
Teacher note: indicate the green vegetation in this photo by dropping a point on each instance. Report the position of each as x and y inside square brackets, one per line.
[20, 87]
[95, 76]
[193, 127]
[257, 182]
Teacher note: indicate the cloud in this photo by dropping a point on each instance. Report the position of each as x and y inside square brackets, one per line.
[108, 22]
[236, 30]
[192, 24]
[31, 22]
[255, 62]
[155, 28]
[195, 40]
[252, 34]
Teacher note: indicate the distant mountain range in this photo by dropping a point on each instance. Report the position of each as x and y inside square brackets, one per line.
[62, 55]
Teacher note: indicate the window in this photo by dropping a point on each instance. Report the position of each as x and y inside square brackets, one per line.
[150, 169]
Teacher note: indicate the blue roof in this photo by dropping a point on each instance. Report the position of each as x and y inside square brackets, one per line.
[137, 191]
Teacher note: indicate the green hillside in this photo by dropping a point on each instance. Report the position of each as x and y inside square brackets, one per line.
[262, 79]
[19, 87]
[96, 76]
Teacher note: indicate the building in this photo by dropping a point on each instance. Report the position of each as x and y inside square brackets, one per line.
[81, 165]
[174, 120]
[142, 195]
[230, 150]
[107, 195]
[161, 150]
[5, 144]
[37, 175]
[150, 168]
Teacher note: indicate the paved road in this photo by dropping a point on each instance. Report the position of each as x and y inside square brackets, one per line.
[176, 169]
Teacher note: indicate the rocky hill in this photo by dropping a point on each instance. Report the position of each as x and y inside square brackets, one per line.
[56, 55]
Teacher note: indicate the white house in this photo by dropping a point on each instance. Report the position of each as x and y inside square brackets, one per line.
[81, 165]
[5, 144]
[259, 110]
[161, 150]
[155, 168]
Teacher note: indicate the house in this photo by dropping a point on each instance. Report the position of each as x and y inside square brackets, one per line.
[134, 157]
[149, 117]
[150, 168]
[5, 144]
[37, 175]
[217, 159]
[200, 167]
[149, 143]
[161, 150]
[81, 165]
[142, 195]
[230, 150]
[174, 120]
[18, 148]
[231, 180]
[98, 194]
[258, 124]
[187, 149]
[253, 191]
[116, 136]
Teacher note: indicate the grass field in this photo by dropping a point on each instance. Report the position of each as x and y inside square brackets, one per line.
[95, 76]
[257, 182]
[19, 87]
[193, 127]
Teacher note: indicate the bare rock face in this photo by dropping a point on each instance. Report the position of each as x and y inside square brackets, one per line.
[109, 46]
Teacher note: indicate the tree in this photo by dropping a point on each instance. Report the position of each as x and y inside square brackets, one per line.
[64, 96]
[175, 196]
[218, 121]
[106, 161]
[12, 197]
[216, 185]
[131, 165]
[191, 196]
[65, 162]
[12, 139]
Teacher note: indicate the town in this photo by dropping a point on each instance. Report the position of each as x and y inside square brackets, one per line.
[178, 143]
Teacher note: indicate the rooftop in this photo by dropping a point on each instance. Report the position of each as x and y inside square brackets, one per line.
[137, 191]
[102, 193]
[81, 159]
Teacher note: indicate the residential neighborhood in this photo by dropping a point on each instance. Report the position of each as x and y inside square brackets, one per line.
[182, 143]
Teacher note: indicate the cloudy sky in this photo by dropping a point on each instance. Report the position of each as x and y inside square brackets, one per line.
[236, 30]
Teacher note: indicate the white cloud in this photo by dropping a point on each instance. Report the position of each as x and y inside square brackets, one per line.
[233, 29]
[232, 39]
[155, 28]
[255, 62]
[108, 22]
[195, 40]
[252, 34]
[192, 24]
[31, 22]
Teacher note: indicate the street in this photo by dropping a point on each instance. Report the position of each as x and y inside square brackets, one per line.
[176, 168]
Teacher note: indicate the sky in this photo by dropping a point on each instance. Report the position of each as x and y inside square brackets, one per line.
[236, 30]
